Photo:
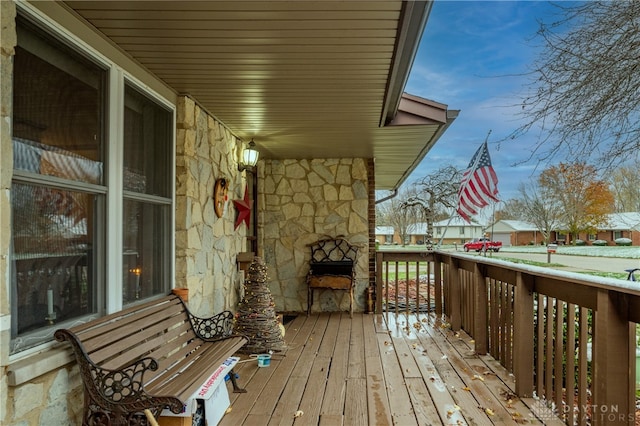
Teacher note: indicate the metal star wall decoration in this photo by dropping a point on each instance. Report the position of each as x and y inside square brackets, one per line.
[244, 208]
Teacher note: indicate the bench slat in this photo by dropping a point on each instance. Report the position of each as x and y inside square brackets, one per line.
[183, 379]
[172, 359]
[99, 338]
[102, 323]
[156, 347]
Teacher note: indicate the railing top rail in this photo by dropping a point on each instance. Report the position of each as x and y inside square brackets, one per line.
[610, 284]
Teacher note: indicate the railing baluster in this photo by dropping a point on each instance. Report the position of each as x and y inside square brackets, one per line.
[395, 293]
[438, 282]
[583, 367]
[571, 370]
[480, 307]
[540, 309]
[407, 299]
[558, 355]
[548, 343]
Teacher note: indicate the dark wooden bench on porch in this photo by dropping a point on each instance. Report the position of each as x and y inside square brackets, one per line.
[150, 356]
[332, 266]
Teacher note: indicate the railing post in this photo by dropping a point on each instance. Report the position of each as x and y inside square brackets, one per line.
[481, 301]
[437, 282]
[523, 335]
[379, 259]
[455, 313]
[613, 349]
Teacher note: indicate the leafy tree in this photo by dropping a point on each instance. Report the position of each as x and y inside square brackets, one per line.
[434, 193]
[583, 98]
[584, 200]
[625, 186]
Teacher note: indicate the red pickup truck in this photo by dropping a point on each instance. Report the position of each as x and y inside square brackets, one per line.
[479, 244]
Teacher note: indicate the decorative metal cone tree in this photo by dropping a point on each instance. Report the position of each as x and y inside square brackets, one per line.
[256, 317]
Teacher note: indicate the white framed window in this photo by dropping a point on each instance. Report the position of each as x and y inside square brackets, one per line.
[92, 188]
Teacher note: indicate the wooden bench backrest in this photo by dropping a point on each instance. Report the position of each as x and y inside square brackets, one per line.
[154, 329]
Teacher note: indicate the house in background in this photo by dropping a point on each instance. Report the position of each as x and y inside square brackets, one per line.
[386, 235]
[619, 225]
[455, 230]
[516, 233]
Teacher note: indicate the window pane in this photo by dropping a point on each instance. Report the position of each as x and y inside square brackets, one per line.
[146, 254]
[53, 240]
[147, 142]
[57, 110]
[58, 122]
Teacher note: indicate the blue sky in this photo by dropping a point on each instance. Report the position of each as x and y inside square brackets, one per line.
[472, 57]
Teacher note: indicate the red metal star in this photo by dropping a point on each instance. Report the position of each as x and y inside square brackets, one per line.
[244, 208]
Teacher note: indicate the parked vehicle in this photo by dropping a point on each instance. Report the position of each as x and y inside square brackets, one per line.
[480, 244]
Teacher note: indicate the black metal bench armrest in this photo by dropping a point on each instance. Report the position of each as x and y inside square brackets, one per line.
[213, 328]
[118, 390]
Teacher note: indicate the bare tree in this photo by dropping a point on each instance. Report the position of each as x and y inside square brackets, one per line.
[393, 213]
[625, 185]
[540, 207]
[511, 209]
[584, 97]
[435, 192]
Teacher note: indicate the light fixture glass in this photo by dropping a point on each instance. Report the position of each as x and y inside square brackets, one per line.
[249, 156]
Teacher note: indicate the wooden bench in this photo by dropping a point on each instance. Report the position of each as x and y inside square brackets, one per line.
[150, 356]
[332, 266]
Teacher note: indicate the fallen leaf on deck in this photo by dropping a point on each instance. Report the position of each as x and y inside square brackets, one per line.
[489, 412]
[228, 410]
[298, 413]
[444, 357]
[467, 388]
[476, 377]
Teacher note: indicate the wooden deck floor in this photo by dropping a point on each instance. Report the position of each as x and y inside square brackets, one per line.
[376, 370]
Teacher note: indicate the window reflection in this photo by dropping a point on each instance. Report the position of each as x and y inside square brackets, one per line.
[52, 255]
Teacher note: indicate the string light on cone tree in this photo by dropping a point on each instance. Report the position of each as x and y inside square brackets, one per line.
[256, 317]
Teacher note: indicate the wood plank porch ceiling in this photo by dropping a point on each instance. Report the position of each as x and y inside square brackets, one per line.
[305, 79]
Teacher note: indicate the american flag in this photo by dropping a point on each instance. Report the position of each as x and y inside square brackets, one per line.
[479, 184]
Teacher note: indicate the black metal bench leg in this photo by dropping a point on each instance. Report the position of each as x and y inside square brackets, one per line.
[234, 382]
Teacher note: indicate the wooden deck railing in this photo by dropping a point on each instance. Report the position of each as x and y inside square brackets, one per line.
[568, 339]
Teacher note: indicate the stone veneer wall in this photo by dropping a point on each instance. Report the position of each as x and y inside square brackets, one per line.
[301, 201]
[206, 245]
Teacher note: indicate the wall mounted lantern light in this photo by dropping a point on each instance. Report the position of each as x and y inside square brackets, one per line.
[249, 157]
